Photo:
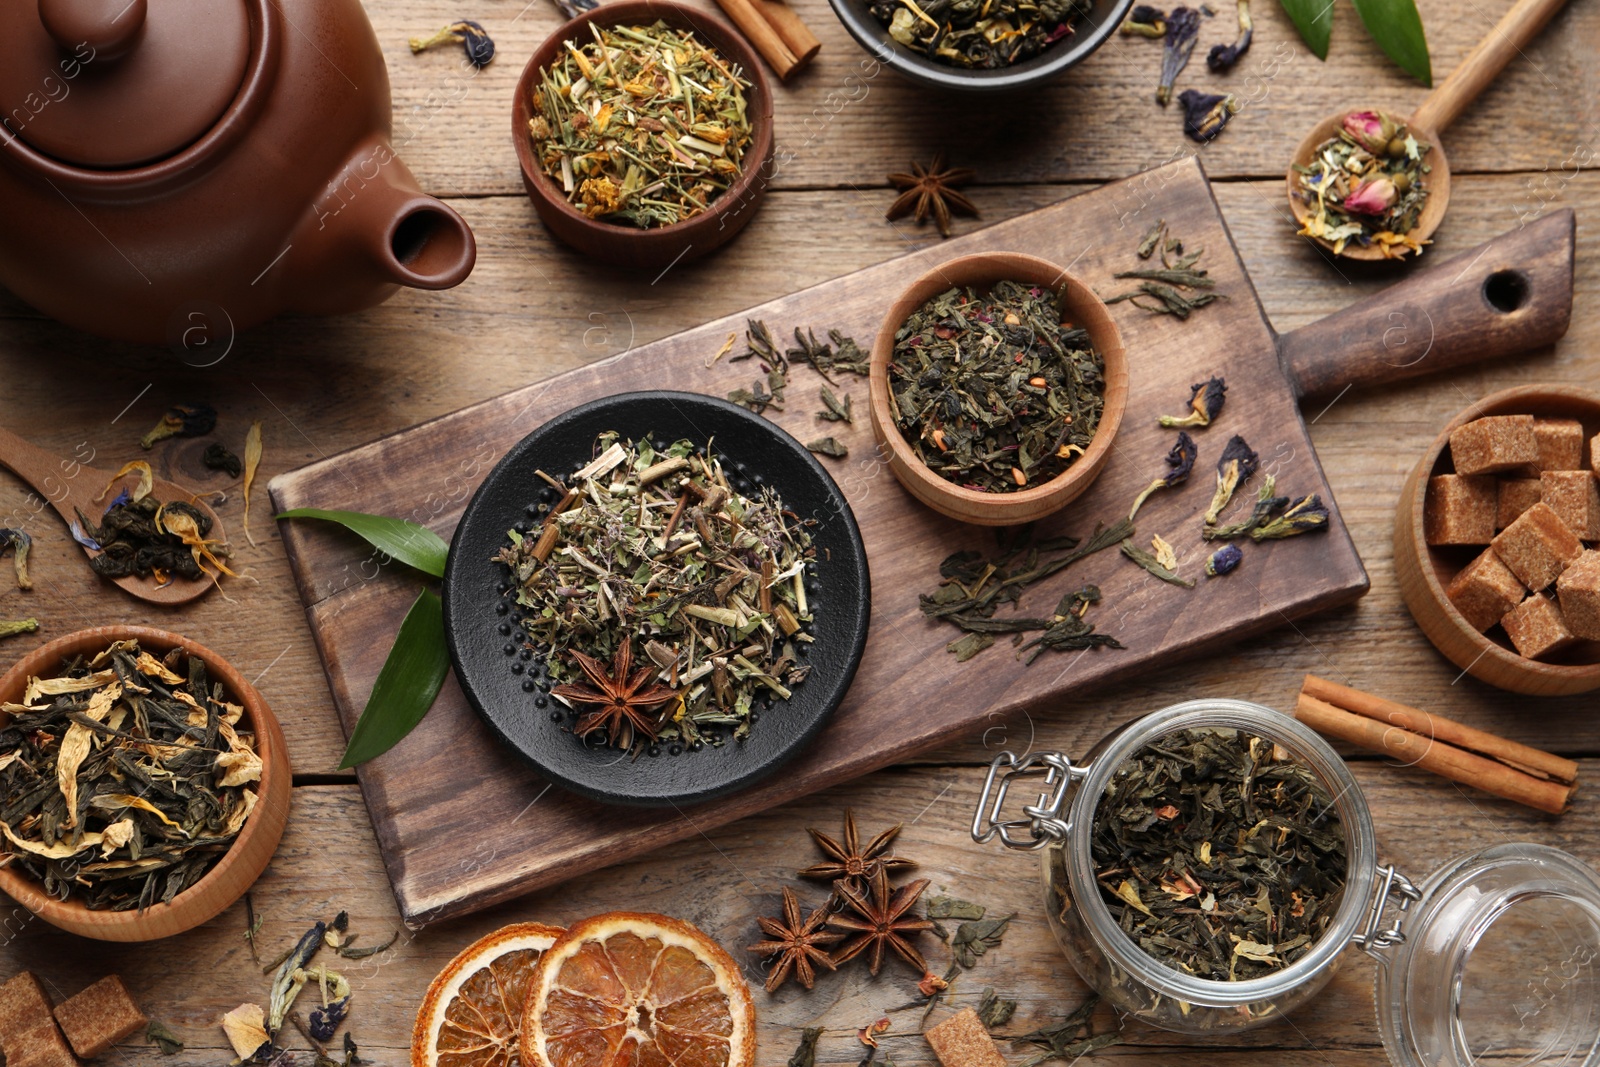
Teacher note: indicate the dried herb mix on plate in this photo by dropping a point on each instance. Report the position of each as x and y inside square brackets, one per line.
[644, 126]
[125, 778]
[995, 392]
[1219, 853]
[667, 602]
[1368, 185]
[979, 34]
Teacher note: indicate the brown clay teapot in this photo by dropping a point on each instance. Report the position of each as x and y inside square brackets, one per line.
[163, 160]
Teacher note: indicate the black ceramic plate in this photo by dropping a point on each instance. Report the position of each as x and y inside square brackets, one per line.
[506, 682]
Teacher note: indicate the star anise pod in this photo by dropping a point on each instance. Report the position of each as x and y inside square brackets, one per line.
[796, 944]
[882, 921]
[849, 862]
[621, 704]
[931, 191]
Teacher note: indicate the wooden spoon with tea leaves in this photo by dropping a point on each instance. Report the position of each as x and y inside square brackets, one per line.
[66, 483]
[1428, 121]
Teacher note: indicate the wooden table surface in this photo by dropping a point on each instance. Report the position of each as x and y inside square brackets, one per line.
[532, 309]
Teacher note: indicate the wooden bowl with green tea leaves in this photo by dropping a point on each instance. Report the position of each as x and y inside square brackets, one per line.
[655, 152]
[1014, 327]
[125, 858]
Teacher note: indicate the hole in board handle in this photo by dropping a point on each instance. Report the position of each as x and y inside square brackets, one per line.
[1506, 290]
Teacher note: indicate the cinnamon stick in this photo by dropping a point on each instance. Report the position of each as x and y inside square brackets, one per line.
[795, 33]
[760, 33]
[1433, 755]
[1531, 760]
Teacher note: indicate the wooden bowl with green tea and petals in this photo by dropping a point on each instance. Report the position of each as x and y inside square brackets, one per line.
[1080, 307]
[245, 857]
[659, 246]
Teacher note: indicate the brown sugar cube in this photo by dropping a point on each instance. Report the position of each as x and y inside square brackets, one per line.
[1458, 510]
[1575, 498]
[99, 1017]
[1579, 591]
[961, 1041]
[1516, 495]
[1537, 547]
[23, 1005]
[1494, 443]
[1536, 627]
[1594, 453]
[1560, 444]
[1485, 590]
[41, 1046]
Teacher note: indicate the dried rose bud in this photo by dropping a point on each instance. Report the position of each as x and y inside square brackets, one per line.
[1372, 198]
[1366, 127]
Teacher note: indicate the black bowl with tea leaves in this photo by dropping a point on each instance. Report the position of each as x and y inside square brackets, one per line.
[657, 598]
[980, 45]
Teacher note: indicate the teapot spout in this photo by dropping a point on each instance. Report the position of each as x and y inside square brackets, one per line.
[373, 231]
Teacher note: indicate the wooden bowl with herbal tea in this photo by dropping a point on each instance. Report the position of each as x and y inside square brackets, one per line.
[657, 598]
[1499, 562]
[1013, 327]
[967, 45]
[644, 132]
[180, 794]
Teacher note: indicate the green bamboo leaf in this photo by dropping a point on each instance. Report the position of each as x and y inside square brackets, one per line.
[1397, 28]
[1314, 20]
[407, 685]
[411, 544]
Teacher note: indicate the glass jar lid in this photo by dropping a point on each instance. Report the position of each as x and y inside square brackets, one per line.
[1500, 961]
[115, 84]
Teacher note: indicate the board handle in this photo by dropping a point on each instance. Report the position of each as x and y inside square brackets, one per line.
[1509, 295]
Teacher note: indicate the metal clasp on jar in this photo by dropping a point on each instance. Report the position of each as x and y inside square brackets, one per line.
[1043, 822]
[1374, 940]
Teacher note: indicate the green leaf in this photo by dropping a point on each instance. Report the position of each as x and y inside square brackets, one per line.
[411, 544]
[407, 685]
[1397, 28]
[1314, 20]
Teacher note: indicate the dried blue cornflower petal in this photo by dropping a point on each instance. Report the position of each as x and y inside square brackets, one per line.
[1224, 560]
[1180, 459]
[182, 420]
[1183, 30]
[1206, 114]
[82, 538]
[1239, 461]
[1205, 403]
[1306, 515]
[1146, 21]
[1223, 56]
[473, 37]
[19, 541]
[122, 498]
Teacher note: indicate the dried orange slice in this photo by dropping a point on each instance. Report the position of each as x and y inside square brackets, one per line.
[631, 990]
[472, 1015]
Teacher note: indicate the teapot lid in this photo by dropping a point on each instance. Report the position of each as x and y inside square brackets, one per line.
[113, 84]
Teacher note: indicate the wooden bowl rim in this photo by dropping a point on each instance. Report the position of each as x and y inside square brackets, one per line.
[721, 36]
[191, 903]
[1432, 212]
[982, 269]
[1489, 650]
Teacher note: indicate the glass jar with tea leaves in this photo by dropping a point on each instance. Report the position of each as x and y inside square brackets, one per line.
[1205, 868]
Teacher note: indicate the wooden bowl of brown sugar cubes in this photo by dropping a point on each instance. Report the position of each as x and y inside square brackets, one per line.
[1497, 540]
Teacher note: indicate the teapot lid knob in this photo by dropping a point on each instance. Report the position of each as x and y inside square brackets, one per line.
[110, 27]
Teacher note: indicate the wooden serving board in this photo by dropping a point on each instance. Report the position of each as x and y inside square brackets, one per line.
[463, 824]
